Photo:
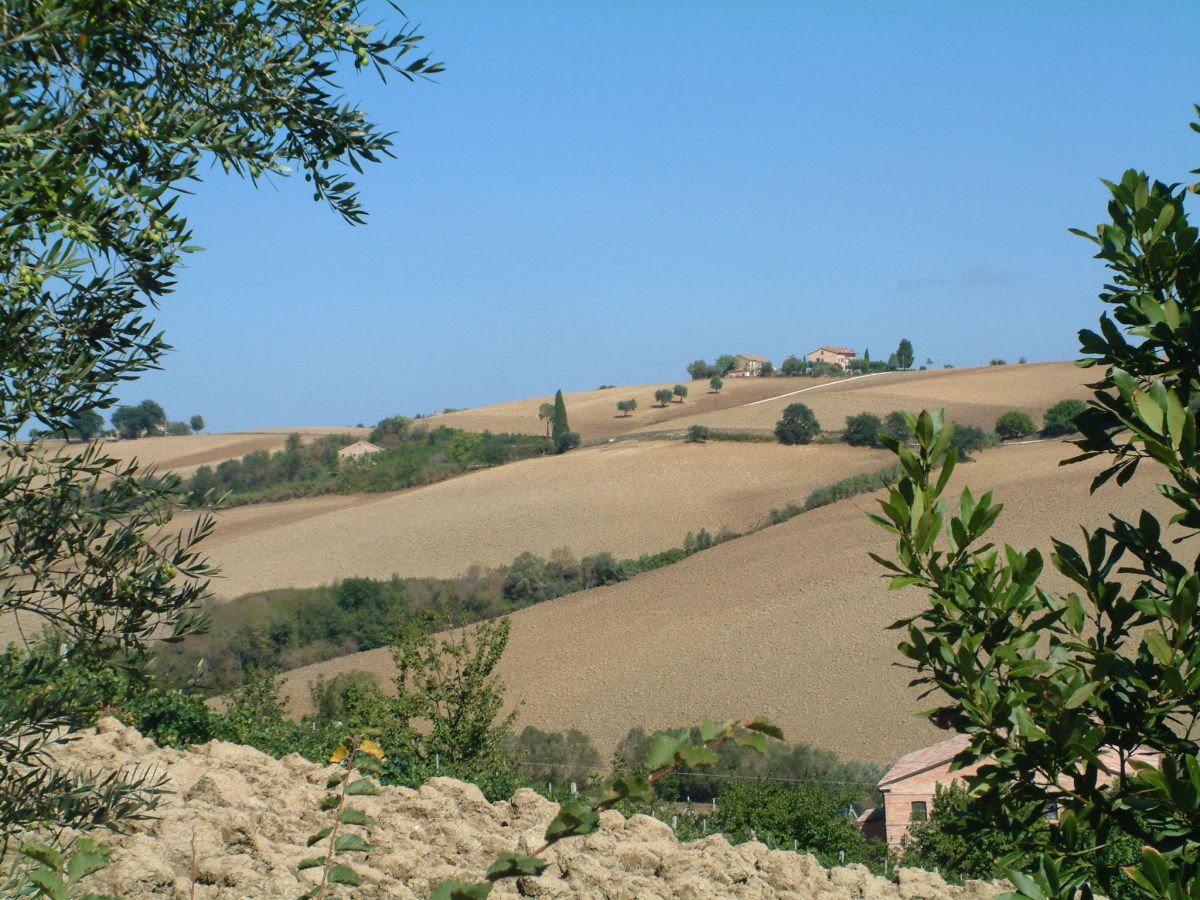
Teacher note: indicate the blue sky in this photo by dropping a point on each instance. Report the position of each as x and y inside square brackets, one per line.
[602, 192]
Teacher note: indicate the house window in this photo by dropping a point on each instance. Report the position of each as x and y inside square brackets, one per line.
[920, 811]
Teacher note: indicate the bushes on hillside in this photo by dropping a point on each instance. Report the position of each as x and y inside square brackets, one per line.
[862, 430]
[852, 487]
[698, 434]
[812, 815]
[797, 426]
[1060, 418]
[970, 439]
[568, 440]
[1013, 425]
[411, 457]
[895, 426]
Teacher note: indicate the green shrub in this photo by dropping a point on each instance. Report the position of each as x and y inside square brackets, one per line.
[1060, 418]
[694, 543]
[852, 487]
[698, 434]
[970, 439]
[798, 425]
[862, 430]
[742, 437]
[1014, 424]
[959, 846]
[812, 815]
[895, 426]
[568, 440]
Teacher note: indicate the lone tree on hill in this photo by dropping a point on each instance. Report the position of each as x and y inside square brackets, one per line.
[627, 406]
[1060, 418]
[560, 424]
[798, 425]
[862, 430]
[197, 423]
[1014, 424]
[681, 392]
[663, 396]
[546, 414]
[904, 354]
[715, 383]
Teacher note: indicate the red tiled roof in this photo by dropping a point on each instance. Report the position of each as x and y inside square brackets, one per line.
[925, 758]
[845, 351]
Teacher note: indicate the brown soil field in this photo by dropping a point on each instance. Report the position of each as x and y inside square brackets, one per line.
[631, 498]
[594, 413]
[186, 453]
[790, 622]
[970, 396]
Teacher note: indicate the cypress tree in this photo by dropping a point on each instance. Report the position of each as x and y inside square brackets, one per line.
[560, 418]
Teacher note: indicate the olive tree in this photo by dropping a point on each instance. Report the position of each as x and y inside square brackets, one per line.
[663, 396]
[798, 425]
[1050, 685]
[107, 113]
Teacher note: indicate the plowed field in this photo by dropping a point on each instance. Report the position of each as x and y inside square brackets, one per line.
[790, 622]
[594, 413]
[630, 498]
[185, 454]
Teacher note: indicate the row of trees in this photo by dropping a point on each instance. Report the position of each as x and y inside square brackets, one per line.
[146, 419]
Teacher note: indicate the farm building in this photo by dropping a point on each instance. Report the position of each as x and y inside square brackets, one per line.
[357, 450]
[748, 365]
[837, 356]
[910, 785]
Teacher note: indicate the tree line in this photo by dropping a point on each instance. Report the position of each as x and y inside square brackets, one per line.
[145, 419]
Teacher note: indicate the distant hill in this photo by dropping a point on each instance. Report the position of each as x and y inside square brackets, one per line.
[971, 396]
[594, 413]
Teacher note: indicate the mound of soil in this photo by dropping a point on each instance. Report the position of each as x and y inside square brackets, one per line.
[243, 817]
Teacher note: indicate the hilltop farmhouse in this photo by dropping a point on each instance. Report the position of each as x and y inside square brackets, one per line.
[748, 365]
[357, 450]
[837, 356]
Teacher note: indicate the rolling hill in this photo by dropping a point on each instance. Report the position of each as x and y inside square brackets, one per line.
[970, 396]
[594, 413]
[185, 454]
[790, 621]
[630, 498]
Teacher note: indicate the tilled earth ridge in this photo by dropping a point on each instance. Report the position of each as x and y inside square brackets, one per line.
[245, 816]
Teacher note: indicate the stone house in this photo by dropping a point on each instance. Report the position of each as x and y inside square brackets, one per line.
[910, 785]
[836, 356]
[748, 365]
[357, 450]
